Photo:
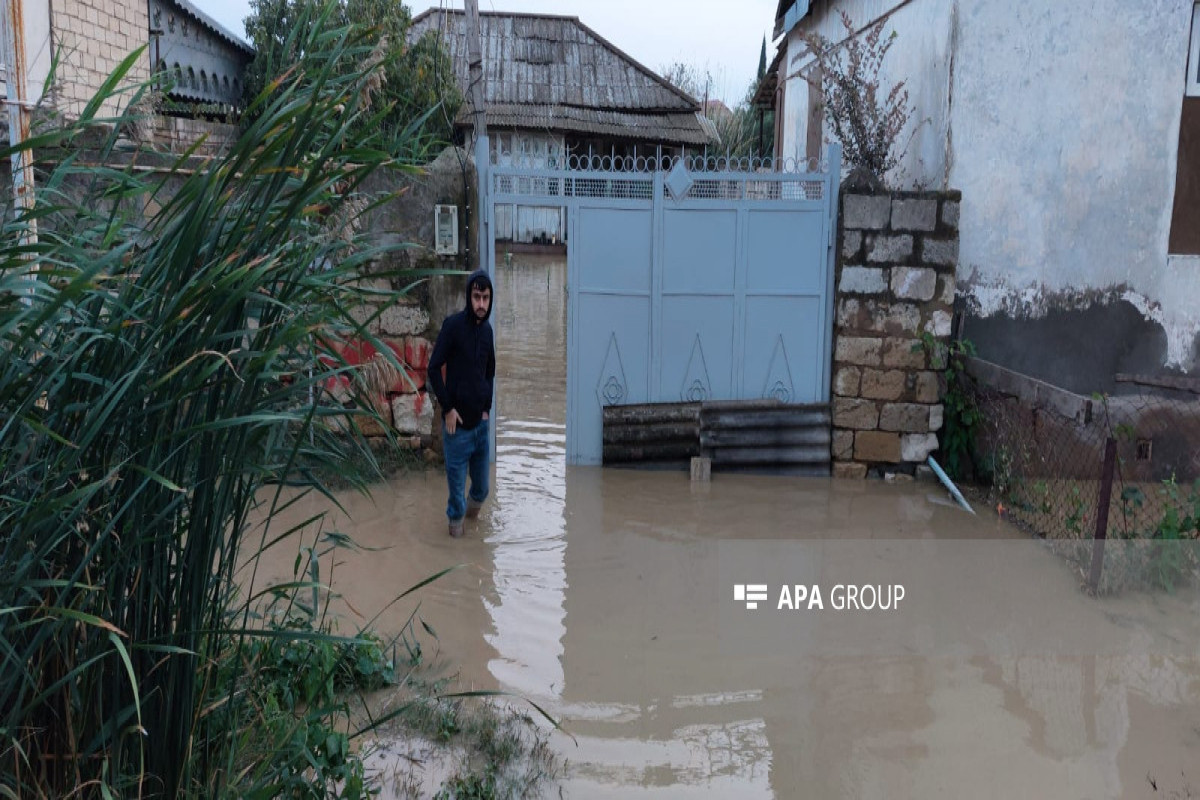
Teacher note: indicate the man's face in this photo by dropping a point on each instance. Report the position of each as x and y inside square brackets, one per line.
[481, 300]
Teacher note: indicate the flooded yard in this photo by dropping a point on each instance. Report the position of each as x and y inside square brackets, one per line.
[608, 597]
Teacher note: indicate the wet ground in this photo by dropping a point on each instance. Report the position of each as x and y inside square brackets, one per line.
[608, 597]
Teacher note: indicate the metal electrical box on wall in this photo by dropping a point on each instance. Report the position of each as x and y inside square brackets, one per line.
[445, 230]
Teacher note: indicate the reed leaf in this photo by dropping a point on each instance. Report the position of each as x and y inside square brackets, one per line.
[164, 353]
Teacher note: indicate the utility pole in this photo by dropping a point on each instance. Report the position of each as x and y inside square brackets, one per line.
[475, 69]
[483, 168]
[483, 155]
[16, 75]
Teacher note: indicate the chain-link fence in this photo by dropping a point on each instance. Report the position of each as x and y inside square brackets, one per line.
[1042, 455]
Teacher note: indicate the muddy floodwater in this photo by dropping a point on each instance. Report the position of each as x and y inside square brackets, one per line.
[610, 597]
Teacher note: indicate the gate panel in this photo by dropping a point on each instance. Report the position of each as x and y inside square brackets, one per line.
[783, 258]
[782, 358]
[699, 252]
[612, 252]
[697, 361]
[609, 339]
[685, 286]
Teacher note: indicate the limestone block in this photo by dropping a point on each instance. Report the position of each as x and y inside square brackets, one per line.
[852, 315]
[891, 249]
[866, 212]
[846, 381]
[863, 280]
[881, 385]
[936, 417]
[855, 413]
[915, 214]
[950, 213]
[858, 350]
[942, 252]
[906, 417]
[849, 470]
[946, 289]
[877, 446]
[914, 283]
[903, 352]
[939, 323]
[851, 244]
[900, 318]
[917, 446]
[843, 445]
[412, 413]
[871, 316]
[927, 388]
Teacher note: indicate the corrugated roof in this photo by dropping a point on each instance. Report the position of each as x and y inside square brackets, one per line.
[555, 73]
[203, 18]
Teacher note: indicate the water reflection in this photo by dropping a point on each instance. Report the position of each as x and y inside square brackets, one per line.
[527, 527]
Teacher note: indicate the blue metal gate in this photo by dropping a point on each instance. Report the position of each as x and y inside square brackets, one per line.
[686, 284]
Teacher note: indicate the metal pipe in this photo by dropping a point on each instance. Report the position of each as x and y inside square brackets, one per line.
[1102, 504]
[950, 487]
[19, 116]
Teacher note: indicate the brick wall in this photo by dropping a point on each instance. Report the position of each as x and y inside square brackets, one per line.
[895, 280]
[94, 37]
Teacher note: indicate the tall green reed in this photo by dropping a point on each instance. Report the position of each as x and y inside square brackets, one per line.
[167, 359]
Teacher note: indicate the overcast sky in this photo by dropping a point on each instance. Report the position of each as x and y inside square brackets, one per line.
[724, 37]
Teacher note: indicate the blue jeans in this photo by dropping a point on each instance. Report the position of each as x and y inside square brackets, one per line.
[465, 451]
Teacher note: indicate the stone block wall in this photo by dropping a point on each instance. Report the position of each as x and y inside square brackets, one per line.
[895, 280]
[95, 36]
[409, 324]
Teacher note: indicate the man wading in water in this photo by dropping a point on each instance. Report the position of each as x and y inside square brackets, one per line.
[466, 352]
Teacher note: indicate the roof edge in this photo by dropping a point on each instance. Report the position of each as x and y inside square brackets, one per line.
[209, 22]
[527, 14]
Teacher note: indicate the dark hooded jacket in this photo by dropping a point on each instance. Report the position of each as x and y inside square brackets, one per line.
[467, 351]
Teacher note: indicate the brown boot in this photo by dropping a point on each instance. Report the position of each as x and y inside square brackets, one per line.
[456, 528]
[473, 508]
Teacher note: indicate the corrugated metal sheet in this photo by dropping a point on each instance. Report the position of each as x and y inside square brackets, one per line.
[739, 436]
[555, 73]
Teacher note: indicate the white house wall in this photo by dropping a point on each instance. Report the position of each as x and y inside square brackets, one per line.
[1059, 122]
[919, 55]
[1065, 125]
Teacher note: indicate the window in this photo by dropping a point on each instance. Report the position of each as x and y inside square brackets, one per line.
[1185, 215]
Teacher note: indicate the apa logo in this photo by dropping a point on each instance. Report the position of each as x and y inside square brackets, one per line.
[751, 594]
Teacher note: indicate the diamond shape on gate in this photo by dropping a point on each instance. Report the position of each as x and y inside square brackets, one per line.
[678, 180]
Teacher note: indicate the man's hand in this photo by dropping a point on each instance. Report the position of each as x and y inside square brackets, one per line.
[452, 419]
[485, 416]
